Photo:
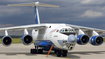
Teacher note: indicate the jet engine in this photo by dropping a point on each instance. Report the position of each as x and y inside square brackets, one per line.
[6, 40]
[82, 39]
[26, 39]
[96, 40]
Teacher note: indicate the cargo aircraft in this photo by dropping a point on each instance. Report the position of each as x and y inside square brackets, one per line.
[60, 36]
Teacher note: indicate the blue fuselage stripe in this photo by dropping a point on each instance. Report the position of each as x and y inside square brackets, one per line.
[46, 44]
[36, 19]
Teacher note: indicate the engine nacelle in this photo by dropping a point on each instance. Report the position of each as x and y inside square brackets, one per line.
[26, 39]
[82, 39]
[96, 40]
[6, 40]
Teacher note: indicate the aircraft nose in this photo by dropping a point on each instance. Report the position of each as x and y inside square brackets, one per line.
[72, 39]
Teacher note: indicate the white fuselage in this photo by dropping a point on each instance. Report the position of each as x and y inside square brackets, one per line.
[52, 33]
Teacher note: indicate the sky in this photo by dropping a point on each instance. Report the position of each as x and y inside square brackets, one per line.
[89, 13]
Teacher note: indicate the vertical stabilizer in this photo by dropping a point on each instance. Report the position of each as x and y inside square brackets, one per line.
[35, 5]
[37, 19]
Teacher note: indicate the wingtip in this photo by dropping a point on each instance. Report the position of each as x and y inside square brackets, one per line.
[7, 5]
[58, 6]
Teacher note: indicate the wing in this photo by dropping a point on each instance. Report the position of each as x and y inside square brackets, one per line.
[28, 27]
[87, 30]
[26, 38]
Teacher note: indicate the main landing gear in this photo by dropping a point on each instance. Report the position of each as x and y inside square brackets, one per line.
[36, 50]
[59, 53]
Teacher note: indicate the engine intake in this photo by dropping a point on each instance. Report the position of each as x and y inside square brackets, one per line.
[27, 39]
[6, 40]
[96, 40]
[82, 39]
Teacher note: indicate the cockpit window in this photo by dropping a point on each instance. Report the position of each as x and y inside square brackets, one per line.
[67, 31]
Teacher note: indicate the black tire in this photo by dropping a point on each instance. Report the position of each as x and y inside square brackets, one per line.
[58, 53]
[64, 53]
[40, 51]
[33, 51]
[55, 51]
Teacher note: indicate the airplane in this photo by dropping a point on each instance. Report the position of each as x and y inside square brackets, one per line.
[60, 36]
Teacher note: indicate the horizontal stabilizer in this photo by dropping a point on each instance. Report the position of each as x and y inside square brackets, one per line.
[33, 4]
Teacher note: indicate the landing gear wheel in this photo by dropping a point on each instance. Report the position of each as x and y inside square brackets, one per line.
[33, 51]
[55, 51]
[64, 54]
[40, 51]
[58, 53]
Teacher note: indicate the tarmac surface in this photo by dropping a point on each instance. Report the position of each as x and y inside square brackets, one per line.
[20, 51]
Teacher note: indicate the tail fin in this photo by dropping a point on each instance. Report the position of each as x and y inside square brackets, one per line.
[35, 5]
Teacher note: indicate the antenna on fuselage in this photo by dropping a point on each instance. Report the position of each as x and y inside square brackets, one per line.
[35, 5]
